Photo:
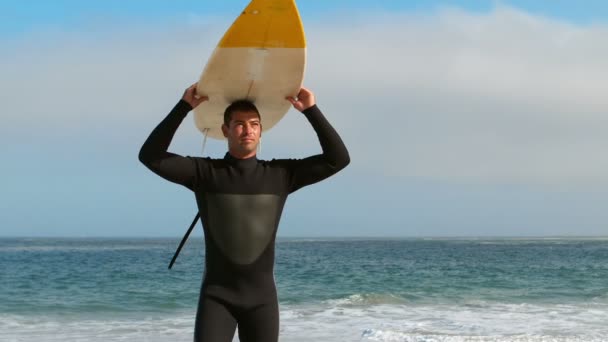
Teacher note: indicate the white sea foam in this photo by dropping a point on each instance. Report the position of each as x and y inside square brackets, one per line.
[344, 320]
[148, 329]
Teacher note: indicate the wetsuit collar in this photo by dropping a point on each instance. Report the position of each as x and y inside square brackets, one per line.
[241, 163]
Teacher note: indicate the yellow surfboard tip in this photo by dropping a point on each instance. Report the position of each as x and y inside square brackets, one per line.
[266, 24]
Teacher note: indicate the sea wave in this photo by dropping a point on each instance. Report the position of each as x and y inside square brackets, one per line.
[367, 299]
[340, 321]
[396, 336]
[483, 321]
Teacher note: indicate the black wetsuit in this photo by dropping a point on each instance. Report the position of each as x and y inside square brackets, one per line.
[240, 202]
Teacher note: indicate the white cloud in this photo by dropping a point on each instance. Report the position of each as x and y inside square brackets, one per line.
[503, 97]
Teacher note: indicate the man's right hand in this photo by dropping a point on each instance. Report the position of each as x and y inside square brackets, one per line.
[192, 97]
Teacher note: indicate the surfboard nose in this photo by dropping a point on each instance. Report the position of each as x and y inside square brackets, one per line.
[262, 58]
[267, 23]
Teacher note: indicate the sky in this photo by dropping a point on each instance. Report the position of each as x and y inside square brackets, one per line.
[462, 118]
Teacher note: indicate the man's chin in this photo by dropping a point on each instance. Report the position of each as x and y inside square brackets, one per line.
[249, 147]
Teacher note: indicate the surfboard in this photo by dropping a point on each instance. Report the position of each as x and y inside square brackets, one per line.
[262, 58]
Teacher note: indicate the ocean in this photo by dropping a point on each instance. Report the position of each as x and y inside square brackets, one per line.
[330, 290]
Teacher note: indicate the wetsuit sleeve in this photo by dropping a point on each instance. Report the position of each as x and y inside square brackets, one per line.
[154, 154]
[318, 167]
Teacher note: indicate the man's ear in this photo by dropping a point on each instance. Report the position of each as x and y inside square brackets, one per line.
[225, 130]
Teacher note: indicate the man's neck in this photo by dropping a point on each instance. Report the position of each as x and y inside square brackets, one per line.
[237, 155]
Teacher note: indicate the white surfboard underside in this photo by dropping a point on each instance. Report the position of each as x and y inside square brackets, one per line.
[265, 76]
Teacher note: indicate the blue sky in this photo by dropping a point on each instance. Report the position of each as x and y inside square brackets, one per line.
[463, 118]
[19, 17]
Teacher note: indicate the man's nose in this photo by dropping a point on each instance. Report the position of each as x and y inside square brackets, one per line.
[248, 129]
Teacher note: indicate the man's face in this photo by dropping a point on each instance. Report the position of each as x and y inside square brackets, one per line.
[243, 134]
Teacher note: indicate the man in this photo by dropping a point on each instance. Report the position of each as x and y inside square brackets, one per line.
[240, 200]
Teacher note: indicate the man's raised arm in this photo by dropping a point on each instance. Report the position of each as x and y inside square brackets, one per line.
[335, 156]
[154, 154]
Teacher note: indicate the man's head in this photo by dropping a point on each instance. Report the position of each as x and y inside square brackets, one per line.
[243, 128]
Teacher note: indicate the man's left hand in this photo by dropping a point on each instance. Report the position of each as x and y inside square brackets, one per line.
[303, 101]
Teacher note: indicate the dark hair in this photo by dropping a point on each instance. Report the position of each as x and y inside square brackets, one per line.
[239, 106]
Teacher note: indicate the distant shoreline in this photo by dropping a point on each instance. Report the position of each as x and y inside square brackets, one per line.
[324, 238]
